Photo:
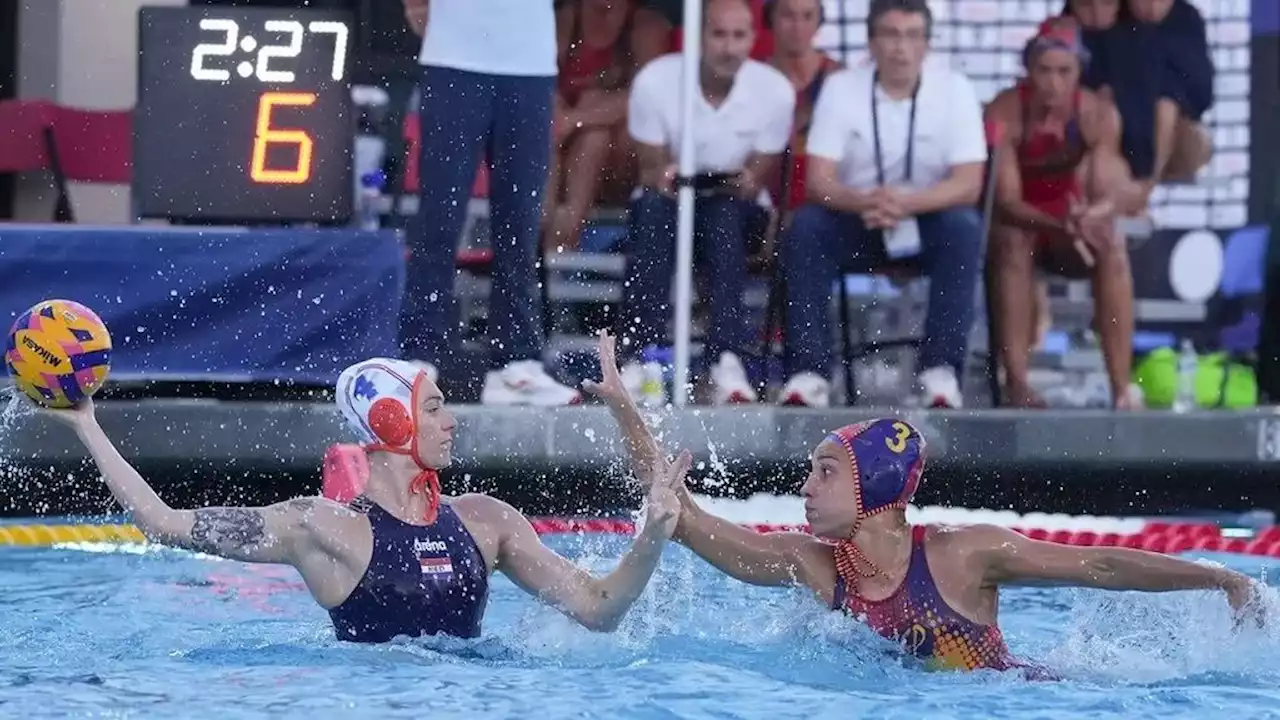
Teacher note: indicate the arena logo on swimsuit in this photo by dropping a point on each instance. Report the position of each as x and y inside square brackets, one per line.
[437, 564]
[430, 546]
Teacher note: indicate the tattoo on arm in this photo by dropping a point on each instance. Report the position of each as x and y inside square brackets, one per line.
[227, 530]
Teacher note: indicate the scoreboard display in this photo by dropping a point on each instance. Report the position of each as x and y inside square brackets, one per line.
[244, 115]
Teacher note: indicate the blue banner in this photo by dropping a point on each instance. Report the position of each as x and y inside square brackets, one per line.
[216, 303]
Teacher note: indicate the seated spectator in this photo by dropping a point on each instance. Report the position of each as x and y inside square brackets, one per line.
[1060, 181]
[795, 24]
[1151, 59]
[743, 122]
[590, 145]
[1182, 145]
[660, 24]
[895, 165]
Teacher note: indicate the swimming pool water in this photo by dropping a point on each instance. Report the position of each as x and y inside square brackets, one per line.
[95, 632]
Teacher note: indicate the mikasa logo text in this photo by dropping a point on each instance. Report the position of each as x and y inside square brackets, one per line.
[437, 546]
[44, 354]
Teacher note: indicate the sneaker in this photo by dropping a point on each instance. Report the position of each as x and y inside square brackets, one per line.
[526, 382]
[729, 383]
[644, 384]
[940, 389]
[806, 389]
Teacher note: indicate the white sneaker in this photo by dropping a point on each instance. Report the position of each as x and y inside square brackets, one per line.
[526, 382]
[940, 389]
[729, 383]
[806, 389]
[644, 383]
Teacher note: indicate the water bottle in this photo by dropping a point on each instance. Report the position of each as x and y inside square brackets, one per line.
[369, 204]
[659, 370]
[1185, 399]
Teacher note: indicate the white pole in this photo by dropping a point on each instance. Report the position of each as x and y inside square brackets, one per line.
[684, 219]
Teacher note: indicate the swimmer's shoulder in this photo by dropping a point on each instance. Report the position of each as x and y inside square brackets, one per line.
[1006, 108]
[965, 544]
[334, 545]
[326, 521]
[489, 520]
[487, 513]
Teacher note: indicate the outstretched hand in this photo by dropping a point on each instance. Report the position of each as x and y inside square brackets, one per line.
[664, 496]
[609, 388]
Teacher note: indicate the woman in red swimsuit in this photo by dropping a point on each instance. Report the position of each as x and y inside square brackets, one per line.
[934, 590]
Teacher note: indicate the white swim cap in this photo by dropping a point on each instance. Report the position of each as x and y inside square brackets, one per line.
[375, 397]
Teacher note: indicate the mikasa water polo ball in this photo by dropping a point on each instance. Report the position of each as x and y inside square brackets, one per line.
[59, 353]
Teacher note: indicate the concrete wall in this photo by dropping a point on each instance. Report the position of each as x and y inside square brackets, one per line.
[81, 53]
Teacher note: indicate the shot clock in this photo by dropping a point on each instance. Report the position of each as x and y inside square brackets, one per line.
[244, 115]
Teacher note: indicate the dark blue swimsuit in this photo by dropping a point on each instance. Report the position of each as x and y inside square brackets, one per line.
[422, 580]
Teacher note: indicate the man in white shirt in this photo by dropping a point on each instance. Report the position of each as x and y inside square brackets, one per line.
[488, 78]
[896, 152]
[743, 123]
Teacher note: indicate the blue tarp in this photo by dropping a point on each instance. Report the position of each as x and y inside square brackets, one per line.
[216, 303]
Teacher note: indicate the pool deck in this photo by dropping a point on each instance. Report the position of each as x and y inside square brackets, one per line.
[292, 436]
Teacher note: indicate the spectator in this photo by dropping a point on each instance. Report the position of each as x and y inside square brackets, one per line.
[794, 24]
[895, 165]
[662, 20]
[1151, 58]
[1182, 145]
[488, 77]
[743, 121]
[1059, 145]
[596, 65]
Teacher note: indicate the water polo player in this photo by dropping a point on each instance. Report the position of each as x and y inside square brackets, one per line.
[933, 589]
[399, 559]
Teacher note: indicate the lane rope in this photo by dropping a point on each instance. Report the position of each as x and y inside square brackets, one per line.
[1156, 536]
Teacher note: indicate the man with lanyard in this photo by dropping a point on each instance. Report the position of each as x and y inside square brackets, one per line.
[895, 163]
[794, 24]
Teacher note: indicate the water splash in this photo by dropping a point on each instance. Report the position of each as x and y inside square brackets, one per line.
[1152, 638]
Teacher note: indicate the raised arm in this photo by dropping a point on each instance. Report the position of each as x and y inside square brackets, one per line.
[270, 534]
[772, 559]
[1011, 558]
[749, 556]
[597, 603]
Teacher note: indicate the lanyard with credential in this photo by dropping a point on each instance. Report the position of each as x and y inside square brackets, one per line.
[875, 129]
